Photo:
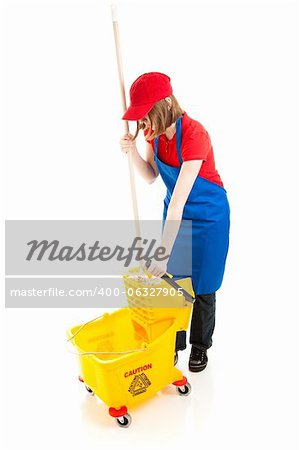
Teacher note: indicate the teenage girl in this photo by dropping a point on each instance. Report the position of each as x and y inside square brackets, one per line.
[180, 150]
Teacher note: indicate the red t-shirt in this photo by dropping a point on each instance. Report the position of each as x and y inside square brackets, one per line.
[196, 144]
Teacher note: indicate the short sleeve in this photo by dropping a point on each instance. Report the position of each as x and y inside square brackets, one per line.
[196, 145]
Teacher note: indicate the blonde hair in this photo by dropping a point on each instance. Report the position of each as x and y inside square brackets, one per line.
[161, 117]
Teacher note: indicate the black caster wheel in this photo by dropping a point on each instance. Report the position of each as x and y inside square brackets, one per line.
[89, 390]
[124, 421]
[184, 390]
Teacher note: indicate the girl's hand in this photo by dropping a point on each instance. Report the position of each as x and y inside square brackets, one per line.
[127, 144]
[156, 268]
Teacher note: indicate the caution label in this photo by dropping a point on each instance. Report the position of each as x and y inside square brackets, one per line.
[139, 384]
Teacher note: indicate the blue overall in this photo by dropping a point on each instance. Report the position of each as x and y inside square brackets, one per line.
[208, 208]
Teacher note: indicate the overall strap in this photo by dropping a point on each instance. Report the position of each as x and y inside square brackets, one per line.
[156, 145]
[179, 138]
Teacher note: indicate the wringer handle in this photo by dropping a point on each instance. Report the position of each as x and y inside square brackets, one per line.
[175, 285]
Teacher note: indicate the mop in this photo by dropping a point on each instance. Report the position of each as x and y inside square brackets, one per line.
[142, 276]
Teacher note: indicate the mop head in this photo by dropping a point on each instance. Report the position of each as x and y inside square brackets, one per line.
[145, 277]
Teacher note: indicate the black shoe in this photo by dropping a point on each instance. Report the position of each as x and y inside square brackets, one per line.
[176, 358]
[198, 359]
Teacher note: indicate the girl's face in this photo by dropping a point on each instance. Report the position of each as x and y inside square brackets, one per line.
[145, 120]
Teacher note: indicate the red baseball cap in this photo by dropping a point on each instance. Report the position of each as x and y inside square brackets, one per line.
[147, 90]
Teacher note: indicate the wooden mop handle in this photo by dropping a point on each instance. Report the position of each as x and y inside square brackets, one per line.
[124, 105]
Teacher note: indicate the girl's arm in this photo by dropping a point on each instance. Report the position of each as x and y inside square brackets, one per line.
[146, 168]
[149, 157]
[185, 181]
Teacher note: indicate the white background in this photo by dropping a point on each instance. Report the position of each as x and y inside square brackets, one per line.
[234, 68]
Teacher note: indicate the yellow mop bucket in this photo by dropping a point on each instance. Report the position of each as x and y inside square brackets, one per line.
[120, 368]
[125, 357]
